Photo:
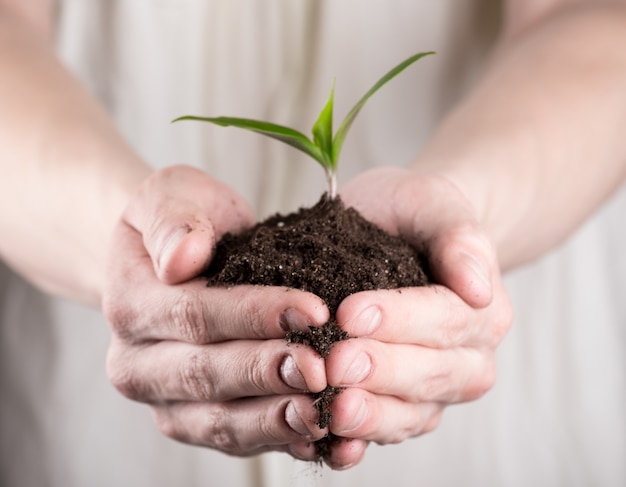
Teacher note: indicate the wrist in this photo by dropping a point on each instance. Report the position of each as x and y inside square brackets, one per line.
[498, 188]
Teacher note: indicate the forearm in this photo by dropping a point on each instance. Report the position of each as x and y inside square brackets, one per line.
[67, 173]
[538, 145]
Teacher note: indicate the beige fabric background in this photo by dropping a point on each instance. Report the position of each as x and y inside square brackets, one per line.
[556, 416]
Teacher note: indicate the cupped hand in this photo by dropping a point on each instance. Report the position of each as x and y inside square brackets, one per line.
[211, 362]
[416, 350]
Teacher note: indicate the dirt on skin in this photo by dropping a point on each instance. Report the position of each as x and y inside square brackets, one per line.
[328, 250]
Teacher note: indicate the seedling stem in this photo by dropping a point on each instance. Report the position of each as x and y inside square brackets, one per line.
[324, 147]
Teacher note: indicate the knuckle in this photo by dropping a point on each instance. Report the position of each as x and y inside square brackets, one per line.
[120, 318]
[271, 432]
[250, 369]
[167, 426]
[258, 374]
[454, 328]
[435, 386]
[252, 311]
[432, 423]
[502, 325]
[195, 374]
[217, 431]
[422, 422]
[400, 434]
[484, 382]
[257, 381]
[125, 380]
[186, 315]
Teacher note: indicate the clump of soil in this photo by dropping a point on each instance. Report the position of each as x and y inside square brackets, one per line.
[328, 250]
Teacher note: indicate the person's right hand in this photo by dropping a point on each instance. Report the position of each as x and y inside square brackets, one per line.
[211, 362]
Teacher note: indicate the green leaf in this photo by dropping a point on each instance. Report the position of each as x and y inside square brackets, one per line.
[323, 129]
[285, 134]
[340, 136]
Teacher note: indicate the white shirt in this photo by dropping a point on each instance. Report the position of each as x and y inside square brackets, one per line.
[556, 415]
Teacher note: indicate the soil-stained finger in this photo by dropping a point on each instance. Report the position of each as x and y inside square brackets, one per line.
[141, 308]
[176, 371]
[243, 427]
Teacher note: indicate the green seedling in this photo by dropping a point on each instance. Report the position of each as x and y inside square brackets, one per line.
[324, 147]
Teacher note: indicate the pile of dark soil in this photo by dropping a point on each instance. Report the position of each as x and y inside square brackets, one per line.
[328, 250]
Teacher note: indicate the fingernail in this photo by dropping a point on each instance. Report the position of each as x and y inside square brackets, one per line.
[358, 370]
[479, 269]
[357, 419]
[368, 321]
[170, 244]
[292, 319]
[291, 375]
[295, 421]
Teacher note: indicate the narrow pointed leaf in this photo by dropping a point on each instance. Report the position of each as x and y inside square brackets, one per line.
[323, 129]
[285, 134]
[340, 136]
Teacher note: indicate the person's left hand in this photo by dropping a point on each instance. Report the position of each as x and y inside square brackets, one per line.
[416, 350]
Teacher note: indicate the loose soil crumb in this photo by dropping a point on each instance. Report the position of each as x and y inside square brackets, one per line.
[328, 250]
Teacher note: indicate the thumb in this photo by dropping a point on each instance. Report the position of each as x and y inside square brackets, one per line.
[180, 245]
[432, 213]
[459, 259]
[181, 213]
